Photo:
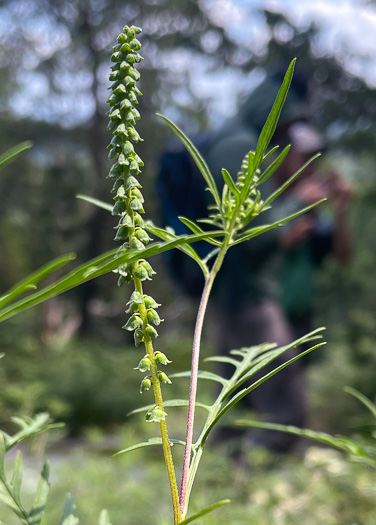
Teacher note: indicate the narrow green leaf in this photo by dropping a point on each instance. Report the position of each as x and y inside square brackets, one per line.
[150, 443]
[97, 267]
[185, 248]
[17, 477]
[254, 385]
[262, 229]
[270, 152]
[202, 374]
[40, 500]
[69, 512]
[200, 162]
[272, 120]
[2, 456]
[35, 277]
[284, 186]
[340, 442]
[274, 165]
[169, 403]
[205, 511]
[197, 230]
[97, 202]
[13, 153]
[223, 359]
[362, 398]
[230, 183]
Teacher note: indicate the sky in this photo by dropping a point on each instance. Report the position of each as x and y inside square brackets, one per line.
[347, 31]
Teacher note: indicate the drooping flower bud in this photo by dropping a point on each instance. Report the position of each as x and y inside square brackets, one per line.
[155, 415]
[161, 358]
[144, 364]
[163, 378]
[145, 385]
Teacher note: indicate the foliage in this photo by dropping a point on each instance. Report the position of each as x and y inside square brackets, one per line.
[229, 220]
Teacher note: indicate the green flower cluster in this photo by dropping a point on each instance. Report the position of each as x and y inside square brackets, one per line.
[129, 200]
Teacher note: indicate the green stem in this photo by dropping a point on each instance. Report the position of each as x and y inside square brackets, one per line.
[159, 402]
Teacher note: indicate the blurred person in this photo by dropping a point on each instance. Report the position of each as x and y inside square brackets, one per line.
[247, 292]
[309, 239]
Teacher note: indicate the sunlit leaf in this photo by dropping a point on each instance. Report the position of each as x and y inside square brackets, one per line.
[205, 511]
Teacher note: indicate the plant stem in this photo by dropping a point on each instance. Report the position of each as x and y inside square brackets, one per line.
[194, 373]
[159, 402]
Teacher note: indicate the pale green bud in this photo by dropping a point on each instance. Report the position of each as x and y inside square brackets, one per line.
[133, 323]
[156, 415]
[163, 378]
[150, 331]
[150, 302]
[145, 385]
[144, 364]
[153, 317]
[161, 358]
[138, 336]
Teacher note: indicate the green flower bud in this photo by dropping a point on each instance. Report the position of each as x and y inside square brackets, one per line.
[148, 268]
[119, 207]
[138, 220]
[150, 331]
[145, 385]
[142, 235]
[132, 182]
[153, 317]
[150, 302]
[136, 297]
[133, 323]
[138, 336]
[137, 245]
[135, 192]
[121, 234]
[156, 415]
[161, 358]
[144, 364]
[140, 273]
[163, 378]
[136, 204]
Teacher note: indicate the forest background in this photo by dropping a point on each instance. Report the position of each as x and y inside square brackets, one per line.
[54, 61]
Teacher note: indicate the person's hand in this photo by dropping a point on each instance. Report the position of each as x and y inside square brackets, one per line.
[340, 191]
[311, 190]
[298, 232]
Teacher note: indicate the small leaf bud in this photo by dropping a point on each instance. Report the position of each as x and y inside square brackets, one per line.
[161, 358]
[156, 414]
[144, 364]
[163, 378]
[145, 385]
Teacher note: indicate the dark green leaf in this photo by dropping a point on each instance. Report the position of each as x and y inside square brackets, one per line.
[13, 153]
[200, 162]
[272, 120]
[230, 183]
[274, 165]
[196, 229]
